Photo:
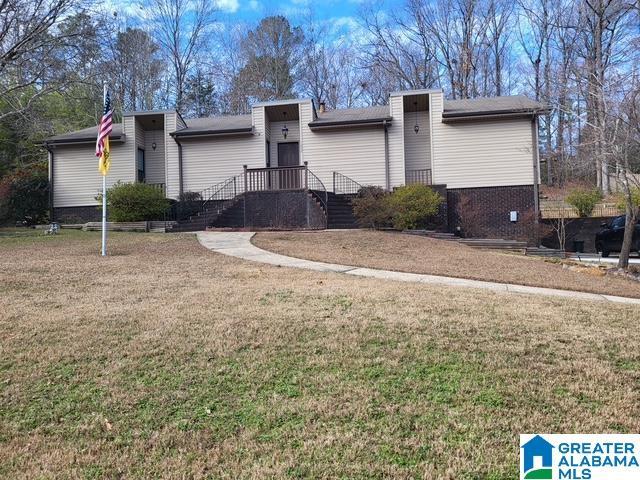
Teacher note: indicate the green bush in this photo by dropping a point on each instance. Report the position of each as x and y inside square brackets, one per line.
[135, 202]
[24, 195]
[371, 208]
[583, 200]
[413, 206]
[621, 201]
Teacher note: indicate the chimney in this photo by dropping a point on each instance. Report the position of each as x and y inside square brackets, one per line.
[323, 107]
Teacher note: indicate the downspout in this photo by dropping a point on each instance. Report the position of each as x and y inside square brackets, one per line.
[386, 156]
[536, 175]
[51, 209]
[180, 189]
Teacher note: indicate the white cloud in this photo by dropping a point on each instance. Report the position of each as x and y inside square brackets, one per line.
[255, 5]
[228, 6]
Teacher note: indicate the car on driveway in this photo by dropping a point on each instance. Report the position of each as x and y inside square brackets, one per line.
[609, 238]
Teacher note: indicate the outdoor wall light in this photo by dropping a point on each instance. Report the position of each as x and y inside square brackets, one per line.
[153, 145]
[285, 130]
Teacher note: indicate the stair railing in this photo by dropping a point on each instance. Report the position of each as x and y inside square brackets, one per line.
[218, 197]
[343, 185]
[315, 185]
[421, 176]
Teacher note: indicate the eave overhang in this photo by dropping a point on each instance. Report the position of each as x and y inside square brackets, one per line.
[350, 123]
[212, 133]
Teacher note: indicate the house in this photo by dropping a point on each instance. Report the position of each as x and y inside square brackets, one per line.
[293, 164]
[537, 448]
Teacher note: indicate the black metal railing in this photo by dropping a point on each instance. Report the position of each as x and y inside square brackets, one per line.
[212, 201]
[421, 176]
[315, 185]
[219, 196]
[343, 185]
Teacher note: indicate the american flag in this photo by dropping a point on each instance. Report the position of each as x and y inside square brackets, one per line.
[104, 130]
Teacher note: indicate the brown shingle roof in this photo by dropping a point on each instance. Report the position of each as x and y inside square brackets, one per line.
[355, 116]
[216, 125]
[516, 104]
[85, 135]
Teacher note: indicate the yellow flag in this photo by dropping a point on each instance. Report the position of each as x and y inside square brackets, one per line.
[105, 158]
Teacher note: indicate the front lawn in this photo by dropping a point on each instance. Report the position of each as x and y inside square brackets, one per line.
[410, 253]
[167, 360]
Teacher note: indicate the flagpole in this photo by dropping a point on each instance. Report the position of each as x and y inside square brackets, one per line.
[104, 191]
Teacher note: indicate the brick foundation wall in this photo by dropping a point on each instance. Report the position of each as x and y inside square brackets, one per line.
[90, 213]
[484, 212]
[282, 210]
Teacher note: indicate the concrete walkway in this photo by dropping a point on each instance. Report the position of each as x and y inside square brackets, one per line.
[238, 244]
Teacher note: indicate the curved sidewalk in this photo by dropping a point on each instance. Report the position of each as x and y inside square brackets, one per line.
[238, 244]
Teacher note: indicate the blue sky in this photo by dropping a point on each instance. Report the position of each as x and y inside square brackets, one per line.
[340, 16]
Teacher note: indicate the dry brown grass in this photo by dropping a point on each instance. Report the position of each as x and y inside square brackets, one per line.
[167, 360]
[410, 253]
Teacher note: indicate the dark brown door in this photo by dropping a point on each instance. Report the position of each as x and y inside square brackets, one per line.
[289, 156]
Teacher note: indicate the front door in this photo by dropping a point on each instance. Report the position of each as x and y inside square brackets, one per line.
[289, 156]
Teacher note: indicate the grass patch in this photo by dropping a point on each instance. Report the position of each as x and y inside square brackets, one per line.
[165, 359]
[414, 254]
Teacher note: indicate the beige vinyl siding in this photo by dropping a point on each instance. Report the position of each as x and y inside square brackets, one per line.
[417, 148]
[75, 170]
[209, 161]
[482, 153]
[267, 138]
[357, 153]
[396, 142]
[171, 156]
[276, 137]
[154, 159]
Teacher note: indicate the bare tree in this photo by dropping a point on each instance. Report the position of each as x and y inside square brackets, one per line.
[29, 40]
[137, 77]
[602, 40]
[182, 28]
[625, 145]
[401, 46]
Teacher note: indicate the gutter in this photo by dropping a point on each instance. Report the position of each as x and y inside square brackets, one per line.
[51, 209]
[536, 175]
[387, 174]
[76, 141]
[180, 189]
[212, 133]
[350, 123]
[452, 117]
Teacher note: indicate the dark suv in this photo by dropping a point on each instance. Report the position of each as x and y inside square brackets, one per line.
[609, 238]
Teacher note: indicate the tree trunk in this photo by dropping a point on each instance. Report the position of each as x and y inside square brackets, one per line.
[629, 227]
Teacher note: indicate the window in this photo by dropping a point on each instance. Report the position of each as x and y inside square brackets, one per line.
[618, 222]
[140, 176]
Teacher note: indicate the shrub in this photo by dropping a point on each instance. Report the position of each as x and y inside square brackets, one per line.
[371, 207]
[414, 205]
[583, 200]
[134, 202]
[621, 201]
[24, 195]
